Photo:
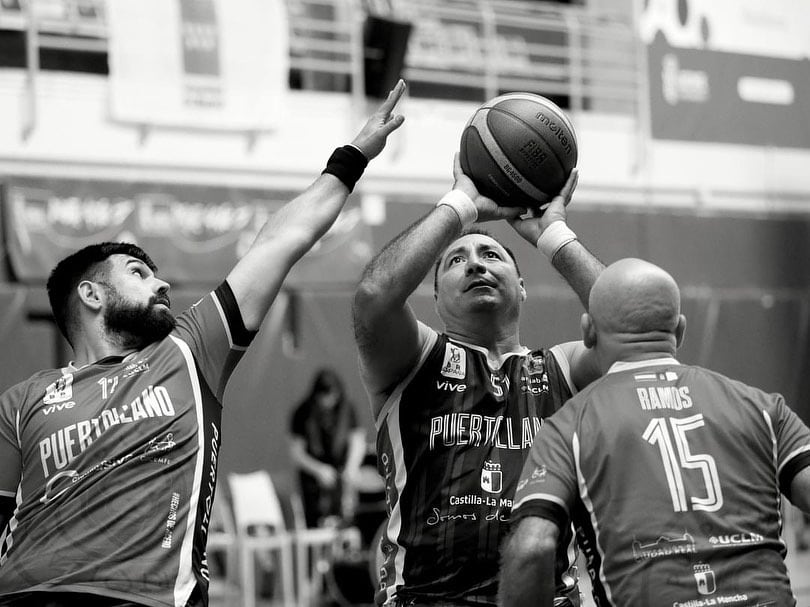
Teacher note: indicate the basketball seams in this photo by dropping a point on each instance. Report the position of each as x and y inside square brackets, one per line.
[499, 158]
[549, 145]
[539, 99]
[517, 145]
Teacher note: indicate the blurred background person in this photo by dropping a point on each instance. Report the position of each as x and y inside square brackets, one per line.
[327, 446]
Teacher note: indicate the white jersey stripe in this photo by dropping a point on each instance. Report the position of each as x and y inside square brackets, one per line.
[185, 582]
[400, 480]
[586, 501]
[775, 447]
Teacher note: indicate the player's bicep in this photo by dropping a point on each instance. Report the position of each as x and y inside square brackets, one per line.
[548, 481]
[800, 489]
[389, 343]
[580, 362]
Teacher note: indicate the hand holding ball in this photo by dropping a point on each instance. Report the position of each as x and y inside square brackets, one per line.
[519, 149]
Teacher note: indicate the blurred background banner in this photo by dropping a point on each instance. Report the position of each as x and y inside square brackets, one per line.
[730, 71]
[219, 64]
[194, 234]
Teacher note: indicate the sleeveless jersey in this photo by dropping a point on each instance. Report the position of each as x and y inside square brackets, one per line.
[119, 462]
[672, 476]
[451, 442]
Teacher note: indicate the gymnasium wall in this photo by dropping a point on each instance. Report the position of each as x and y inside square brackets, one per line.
[746, 291]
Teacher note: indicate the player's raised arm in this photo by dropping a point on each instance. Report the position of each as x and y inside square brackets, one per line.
[386, 329]
[578, 266]
[550, 233]
[295, 227]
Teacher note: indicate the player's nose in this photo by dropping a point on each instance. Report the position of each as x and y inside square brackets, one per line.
[162, 286]
[474, 266]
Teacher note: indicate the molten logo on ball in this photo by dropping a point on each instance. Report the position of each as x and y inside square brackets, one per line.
[519, 149]
[556, 129]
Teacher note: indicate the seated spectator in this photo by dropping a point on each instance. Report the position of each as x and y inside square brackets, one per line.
[327, 447]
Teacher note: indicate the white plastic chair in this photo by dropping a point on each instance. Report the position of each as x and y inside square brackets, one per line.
[260, 528]
[313, 554]
[223, 584]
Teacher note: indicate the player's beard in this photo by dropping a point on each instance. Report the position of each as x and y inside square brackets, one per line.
[137, 325]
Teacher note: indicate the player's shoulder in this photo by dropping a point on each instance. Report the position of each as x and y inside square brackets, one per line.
[722, 381]
[37, 382]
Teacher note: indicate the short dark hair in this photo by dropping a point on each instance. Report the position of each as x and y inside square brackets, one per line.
[82, 265]
[467, 232]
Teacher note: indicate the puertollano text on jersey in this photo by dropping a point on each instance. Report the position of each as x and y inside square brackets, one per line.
[209, 498]
[64, 445]
[475, 430]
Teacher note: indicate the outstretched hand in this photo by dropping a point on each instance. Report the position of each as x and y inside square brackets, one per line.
[371, 138]
[488, 209]
[532, 226]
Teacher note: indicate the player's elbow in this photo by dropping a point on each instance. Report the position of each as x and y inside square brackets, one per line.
[368, 299]
[534, 541]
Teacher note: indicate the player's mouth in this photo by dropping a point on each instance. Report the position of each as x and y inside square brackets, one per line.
[479, 284]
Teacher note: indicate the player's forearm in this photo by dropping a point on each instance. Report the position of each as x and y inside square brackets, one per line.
[579, 267]
[527, 580]
[301, 222]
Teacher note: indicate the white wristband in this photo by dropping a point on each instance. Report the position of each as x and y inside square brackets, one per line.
[463, 206]
[554, 238]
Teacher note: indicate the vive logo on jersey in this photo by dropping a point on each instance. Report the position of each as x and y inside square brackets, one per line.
[704, 576]
[455, 362]
[59, 391]
[491, 477]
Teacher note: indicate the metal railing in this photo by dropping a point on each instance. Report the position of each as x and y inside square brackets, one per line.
[466, 49]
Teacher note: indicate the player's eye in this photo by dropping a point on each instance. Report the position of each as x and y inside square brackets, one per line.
[492, 255]
[455, 259]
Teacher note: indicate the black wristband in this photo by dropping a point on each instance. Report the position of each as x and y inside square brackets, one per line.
[347, 163]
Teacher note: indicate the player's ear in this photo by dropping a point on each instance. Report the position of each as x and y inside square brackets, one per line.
[90, 294]
[523, 295]
[588, 330]
[680, 330]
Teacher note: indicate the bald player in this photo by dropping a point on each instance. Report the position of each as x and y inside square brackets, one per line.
[672, 474]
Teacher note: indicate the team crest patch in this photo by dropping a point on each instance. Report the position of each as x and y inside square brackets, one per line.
[491, 477]
[704, 576]
[60, 390]
[455, 362]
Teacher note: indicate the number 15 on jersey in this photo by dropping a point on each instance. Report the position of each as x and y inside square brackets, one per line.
[673, 445]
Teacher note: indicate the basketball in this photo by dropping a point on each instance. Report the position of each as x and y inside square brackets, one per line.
[519, 149]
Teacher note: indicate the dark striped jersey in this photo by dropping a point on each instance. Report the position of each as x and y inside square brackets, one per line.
[451, 442]
[672, 476]
[113, 465]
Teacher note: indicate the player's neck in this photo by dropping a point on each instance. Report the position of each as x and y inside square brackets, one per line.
[87, 351]
[497, 342]
[638, 352]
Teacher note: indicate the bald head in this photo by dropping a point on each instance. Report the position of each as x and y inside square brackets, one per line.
[632, 296]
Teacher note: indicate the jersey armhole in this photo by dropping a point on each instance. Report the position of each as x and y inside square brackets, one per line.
[565, 366]
[427, 339]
